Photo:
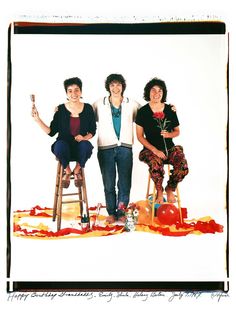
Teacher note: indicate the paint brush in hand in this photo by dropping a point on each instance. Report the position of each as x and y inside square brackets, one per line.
[34, 111]
[32, 98]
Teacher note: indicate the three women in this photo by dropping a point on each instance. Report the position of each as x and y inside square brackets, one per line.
[156, 126]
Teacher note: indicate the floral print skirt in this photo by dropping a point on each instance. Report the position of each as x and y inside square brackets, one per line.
[176, 158]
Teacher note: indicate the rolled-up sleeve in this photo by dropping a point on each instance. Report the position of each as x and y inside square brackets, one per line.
[139, 118]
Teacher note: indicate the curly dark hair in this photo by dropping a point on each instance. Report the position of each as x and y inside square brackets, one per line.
[151, 84]
[71, 81]
[115, 78]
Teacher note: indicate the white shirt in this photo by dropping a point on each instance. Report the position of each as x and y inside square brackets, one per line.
[106, 133]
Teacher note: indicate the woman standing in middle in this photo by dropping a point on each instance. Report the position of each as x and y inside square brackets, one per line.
[115, 115]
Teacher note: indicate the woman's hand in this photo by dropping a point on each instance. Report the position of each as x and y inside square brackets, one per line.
[159, 153]
[35, 113]
[38, 120]
[79, 138]
[166, 134]
[174, 133]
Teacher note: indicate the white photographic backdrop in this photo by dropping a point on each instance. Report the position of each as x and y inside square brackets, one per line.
[194, 68]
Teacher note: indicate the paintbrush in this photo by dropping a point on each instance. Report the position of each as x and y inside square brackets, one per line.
[32, 98]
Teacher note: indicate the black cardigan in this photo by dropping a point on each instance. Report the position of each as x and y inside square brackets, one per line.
[61, 123]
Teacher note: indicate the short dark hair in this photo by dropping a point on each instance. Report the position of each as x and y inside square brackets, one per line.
[71, 81]
[115, 78]
[151, 84]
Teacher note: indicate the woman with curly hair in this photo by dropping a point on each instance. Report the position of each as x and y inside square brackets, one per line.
[156, 126]
[115, 115]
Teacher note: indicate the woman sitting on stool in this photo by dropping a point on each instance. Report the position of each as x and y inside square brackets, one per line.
[74, 121]
[156, 125]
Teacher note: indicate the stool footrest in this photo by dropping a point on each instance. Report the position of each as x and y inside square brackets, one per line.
[71, 194]
[75, 201]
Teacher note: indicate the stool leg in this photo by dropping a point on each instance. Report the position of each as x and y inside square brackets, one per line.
[59, 204]
[179, 205]
[56, 192]
[178, 198]
[153, 202]
[80, 201]
[85, 192]
[153, 197]
[83, 199]
[148, 186]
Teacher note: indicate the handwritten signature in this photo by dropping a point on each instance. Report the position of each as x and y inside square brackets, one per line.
[109, 296]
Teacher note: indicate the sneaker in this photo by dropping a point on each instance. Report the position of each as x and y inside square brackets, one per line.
[122, 219]
[111, 219]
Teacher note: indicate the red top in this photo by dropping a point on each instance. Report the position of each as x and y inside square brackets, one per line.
[74, 126]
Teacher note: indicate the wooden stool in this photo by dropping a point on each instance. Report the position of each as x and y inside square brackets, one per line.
[154, 195]
[58, 201]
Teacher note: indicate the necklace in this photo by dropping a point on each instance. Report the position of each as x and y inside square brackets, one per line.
[116, 112]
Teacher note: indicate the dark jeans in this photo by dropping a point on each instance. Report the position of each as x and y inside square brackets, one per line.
[76, 151]
[118, 160]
